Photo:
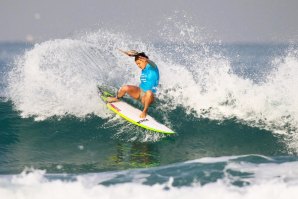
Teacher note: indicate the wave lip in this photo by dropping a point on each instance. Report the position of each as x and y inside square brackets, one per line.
[54, 79]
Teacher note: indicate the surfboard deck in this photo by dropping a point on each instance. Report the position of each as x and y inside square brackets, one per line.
[132, 114]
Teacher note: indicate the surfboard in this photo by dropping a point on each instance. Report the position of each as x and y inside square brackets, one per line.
[132, 114]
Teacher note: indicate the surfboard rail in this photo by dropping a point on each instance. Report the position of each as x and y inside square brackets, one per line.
[138, 123]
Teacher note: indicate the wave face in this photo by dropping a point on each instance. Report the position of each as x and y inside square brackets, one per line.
[61, 74]
[59, 78]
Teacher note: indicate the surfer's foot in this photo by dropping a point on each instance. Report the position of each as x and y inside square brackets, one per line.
[112, 99]
[143, 115]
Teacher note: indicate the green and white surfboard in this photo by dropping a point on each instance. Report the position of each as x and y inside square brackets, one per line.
[132, 114]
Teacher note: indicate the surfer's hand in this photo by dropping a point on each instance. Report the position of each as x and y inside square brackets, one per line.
[143, 115]
[112, 99]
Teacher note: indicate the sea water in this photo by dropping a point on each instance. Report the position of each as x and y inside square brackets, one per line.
[233, 107]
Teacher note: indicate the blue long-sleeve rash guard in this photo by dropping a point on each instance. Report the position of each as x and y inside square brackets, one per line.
[149, 78]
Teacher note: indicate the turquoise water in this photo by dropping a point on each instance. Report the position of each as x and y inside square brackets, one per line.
[232, 106]
[74, 146]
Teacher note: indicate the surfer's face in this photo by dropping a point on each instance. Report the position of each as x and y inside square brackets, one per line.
[142, 62]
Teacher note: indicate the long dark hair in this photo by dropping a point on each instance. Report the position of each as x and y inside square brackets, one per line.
[142, 54]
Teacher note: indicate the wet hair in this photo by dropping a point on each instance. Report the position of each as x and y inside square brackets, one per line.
[139, 55]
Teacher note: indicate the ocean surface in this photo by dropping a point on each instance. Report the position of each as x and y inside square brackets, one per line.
[233, 107]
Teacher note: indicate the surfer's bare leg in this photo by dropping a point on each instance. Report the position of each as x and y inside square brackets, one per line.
[131, 90]
[147, 99]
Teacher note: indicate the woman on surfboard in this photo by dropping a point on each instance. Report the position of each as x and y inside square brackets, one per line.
[149, 82]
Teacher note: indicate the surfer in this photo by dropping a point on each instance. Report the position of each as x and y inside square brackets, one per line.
[149, 82]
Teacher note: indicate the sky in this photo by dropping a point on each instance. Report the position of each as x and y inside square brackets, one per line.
[224, 20]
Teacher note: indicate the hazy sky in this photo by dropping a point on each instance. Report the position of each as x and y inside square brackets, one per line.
[226, 20]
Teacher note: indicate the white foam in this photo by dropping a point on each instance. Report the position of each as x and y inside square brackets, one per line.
[35, 185]
[269, 105]
[205, 82]
[59, 77]
[224, 158]
[284, 172]
[208, 86]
